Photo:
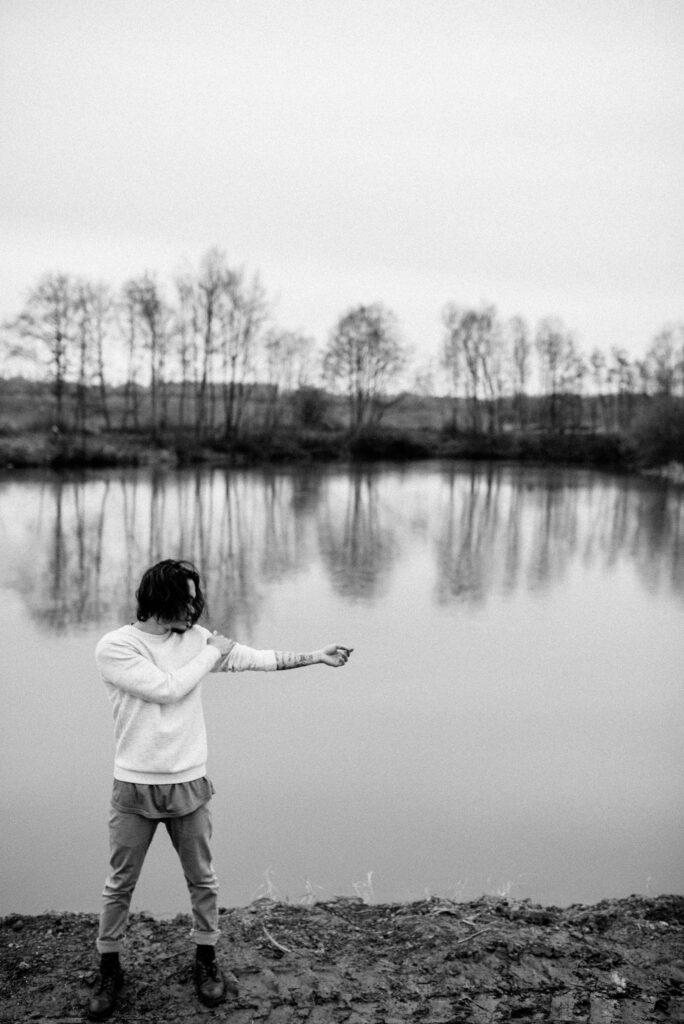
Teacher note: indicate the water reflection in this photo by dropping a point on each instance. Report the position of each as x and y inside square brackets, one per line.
[357, 540]
[469, 536]
[74, 547]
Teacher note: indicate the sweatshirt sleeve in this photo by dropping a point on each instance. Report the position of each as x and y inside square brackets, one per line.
[241, 658]
[126, 668]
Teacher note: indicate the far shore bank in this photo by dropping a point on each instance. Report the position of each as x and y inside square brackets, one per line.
[481, 962]
[71, 450]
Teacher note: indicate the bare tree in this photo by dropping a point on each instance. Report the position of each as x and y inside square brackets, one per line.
[17, 355]
[126, 309]
[94, 344]
[665, 360]
[48, 318]
[471, 339]
[469, 352]
[452, 358]
[521, 349]
[554, 346]
[643, 376]
[365, 357]
[287, 357]
[84, 355]
[212, 287]
[101, 308]
[492, 354]
[185, 335]
[242, 318]
[146, 307]
[599, 372]
[622, 376]
[573, 385]
[217, 329]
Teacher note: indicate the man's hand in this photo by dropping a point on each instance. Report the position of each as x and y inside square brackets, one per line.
[223, 643]
[335, 655]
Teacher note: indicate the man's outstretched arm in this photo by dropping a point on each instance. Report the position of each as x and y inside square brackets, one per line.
[240, 658]
[334, 655]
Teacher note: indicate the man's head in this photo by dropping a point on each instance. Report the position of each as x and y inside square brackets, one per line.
[170, 592]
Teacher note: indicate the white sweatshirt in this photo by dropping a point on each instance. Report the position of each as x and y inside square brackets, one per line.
[154, 685]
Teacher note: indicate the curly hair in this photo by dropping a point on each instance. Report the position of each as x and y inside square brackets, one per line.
[163, 592]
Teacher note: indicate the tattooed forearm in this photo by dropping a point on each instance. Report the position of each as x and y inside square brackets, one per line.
[287, 659]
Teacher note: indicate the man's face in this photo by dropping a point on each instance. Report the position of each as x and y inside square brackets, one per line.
[180, 625]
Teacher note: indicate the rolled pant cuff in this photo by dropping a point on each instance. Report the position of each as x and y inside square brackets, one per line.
[109, 945]
[205, 938]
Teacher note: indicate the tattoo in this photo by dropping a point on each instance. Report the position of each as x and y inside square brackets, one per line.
[286, 659]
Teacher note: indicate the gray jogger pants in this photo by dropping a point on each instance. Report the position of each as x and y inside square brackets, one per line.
[130, 836]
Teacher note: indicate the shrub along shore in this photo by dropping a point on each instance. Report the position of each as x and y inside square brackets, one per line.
[69, 449]
[316, 427]
[73, 450]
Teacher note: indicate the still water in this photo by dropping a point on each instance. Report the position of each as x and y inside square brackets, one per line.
[511, 720]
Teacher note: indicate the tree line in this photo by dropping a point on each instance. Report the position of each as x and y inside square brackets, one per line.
[202, 359]
[502, 367]
[205, 350]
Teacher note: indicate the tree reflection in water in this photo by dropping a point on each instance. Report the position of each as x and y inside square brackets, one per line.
[357, 540]
[74, 547]
[467, 542]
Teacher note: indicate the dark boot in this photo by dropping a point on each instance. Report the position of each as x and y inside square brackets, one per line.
[210, 984]
[110, 982]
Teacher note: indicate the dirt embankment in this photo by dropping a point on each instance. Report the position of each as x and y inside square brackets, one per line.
[343, 961]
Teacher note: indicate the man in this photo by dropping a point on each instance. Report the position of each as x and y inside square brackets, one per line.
[153, 671]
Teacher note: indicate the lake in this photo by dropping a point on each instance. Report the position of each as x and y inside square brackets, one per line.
[511, 720]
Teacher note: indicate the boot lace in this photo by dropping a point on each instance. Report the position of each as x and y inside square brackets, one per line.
[208, 969]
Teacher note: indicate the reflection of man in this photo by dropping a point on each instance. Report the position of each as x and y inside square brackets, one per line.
[153, 670]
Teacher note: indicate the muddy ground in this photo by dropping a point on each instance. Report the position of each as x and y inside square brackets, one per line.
[487, 961]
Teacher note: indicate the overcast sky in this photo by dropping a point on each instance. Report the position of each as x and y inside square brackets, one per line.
[405, 151]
